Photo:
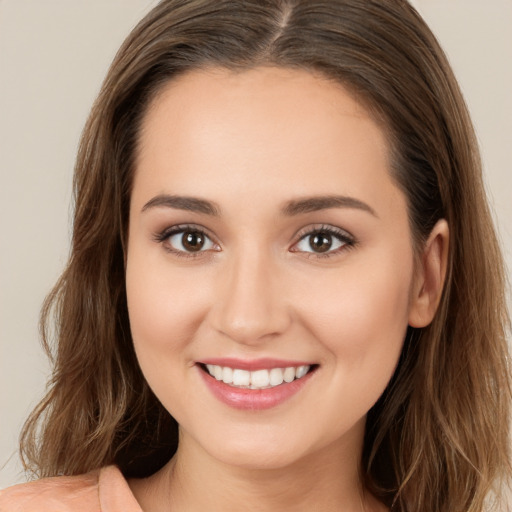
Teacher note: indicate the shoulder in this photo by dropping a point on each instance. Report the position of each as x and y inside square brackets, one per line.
[63, 493]
[104, 489]
[77, 493]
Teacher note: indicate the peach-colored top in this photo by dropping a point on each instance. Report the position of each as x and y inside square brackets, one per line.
[103, 490]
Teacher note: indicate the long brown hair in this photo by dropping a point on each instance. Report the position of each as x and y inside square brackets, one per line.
[437, 440]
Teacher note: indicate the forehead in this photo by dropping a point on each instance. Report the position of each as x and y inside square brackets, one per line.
[263, 97]
[269, 131]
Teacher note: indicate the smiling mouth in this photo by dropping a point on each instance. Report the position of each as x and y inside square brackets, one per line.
[258, 379]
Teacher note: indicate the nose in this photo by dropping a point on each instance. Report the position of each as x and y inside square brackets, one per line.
[251, 306]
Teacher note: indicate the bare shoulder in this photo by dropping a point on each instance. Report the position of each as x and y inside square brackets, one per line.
[62, 493]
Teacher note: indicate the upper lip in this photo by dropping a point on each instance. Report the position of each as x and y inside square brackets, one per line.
[253, 364]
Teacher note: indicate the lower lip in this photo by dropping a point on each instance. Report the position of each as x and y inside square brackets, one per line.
[253, 399]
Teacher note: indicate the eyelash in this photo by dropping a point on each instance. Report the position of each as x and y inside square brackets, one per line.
[164, 235]
[347, 240]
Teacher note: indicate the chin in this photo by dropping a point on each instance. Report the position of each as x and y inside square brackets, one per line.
[259, 449]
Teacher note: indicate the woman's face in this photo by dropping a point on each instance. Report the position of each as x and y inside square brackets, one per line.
[268, 244]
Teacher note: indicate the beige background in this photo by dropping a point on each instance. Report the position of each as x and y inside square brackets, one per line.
[53, 56]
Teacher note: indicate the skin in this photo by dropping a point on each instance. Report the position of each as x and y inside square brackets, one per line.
[251, 143]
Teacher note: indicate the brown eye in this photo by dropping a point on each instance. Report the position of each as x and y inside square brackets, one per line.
[188, 241]
[320, 242]
[324, 241]
[193, 241]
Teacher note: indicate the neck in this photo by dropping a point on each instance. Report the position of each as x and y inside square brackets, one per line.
[193, 481]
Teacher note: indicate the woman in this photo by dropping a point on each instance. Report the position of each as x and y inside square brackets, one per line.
[285, 290]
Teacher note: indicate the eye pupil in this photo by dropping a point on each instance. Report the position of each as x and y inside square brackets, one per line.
[320, 242]
[193, 241]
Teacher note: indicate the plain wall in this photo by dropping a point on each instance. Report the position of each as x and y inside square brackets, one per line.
[53, 57]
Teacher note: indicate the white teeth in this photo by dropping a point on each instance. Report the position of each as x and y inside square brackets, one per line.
[241, 377]
[217, 372]
[258, 379]
[301, 371]
[276, 376]
[227, 374]
[289, 374]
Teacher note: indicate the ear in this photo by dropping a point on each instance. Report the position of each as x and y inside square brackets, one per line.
[429, 278]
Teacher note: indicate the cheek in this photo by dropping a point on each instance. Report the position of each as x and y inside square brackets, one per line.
[361, 317]
[165, 308]
[362, 323]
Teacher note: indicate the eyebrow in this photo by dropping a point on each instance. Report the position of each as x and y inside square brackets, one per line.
[291, 208]
[190, 204]
[313, 204]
